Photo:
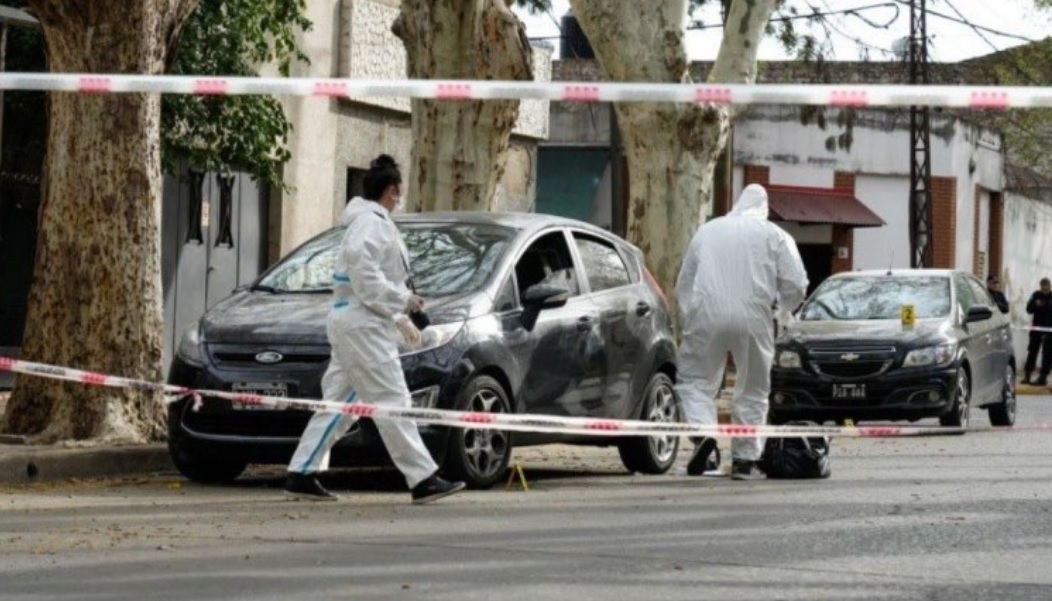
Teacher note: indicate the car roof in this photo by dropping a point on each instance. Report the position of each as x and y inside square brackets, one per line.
[526, 222]
[898, 273]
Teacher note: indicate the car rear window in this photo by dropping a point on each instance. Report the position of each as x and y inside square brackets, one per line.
[878, 297]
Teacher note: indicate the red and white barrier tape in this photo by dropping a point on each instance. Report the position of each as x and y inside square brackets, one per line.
[483, 421]
[1033, 328]
[737, 94]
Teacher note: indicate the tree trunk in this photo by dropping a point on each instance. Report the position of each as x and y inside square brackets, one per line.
[95, 302]
[459, 147]
[671, 148]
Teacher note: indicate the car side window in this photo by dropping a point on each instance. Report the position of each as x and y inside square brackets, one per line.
[965, 298]
[507, 299]
[982, 297]
[602, 263]
[547, 261]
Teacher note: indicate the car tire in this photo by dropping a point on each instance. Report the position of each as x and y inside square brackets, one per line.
[480, 457]
[1003, 413]
[653, 454]
[195, 465]
[957, 416]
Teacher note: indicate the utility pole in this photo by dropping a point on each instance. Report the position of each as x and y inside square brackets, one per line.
[921, 251]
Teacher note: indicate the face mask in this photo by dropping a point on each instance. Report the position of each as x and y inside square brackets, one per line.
[399, 204]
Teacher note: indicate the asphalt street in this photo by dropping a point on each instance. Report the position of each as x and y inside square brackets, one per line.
[965, 517]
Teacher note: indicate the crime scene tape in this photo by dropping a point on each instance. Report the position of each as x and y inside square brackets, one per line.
[485, 421]
[1033, 328]
[978, 97]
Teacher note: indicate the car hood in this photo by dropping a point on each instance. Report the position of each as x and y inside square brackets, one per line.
[254, 317]
[926, 331]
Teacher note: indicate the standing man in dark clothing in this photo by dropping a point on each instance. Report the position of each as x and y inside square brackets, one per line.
[993, 286]
[1040, 306]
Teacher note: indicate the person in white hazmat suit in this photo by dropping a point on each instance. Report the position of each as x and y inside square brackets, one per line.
[735, 271]
[370, 309]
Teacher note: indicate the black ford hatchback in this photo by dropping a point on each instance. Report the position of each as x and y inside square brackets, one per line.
[906, 344]
[530, 314]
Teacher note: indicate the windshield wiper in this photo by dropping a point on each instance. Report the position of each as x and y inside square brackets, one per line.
[262, 288]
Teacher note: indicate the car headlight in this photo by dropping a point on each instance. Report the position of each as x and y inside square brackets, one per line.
[432, 337]
[190, 346]
[931, 356]
[789, 359]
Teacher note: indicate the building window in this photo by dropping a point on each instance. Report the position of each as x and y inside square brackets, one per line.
[355, 182]
[193, 230]
[226, 210]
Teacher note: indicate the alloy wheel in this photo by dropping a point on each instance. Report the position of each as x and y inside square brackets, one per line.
[662, 409]
[485, 449]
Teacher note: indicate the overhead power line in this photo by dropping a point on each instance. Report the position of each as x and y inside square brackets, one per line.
[965, 21]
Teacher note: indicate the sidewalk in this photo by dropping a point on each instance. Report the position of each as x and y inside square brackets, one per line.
[21, 463]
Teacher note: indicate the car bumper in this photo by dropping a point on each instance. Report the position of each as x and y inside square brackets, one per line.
[267, 435]
[800, 395]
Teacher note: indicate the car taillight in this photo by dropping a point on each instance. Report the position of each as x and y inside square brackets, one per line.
[655, 286]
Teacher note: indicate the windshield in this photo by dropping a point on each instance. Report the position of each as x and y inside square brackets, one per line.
[445, 259]
[878, 297]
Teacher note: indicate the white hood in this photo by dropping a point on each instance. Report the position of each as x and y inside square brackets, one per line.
[752, 203]
[360, 205]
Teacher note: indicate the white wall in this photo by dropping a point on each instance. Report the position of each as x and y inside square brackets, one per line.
[312, 141]
[978, 163]
[881, 247]
[1027, 256]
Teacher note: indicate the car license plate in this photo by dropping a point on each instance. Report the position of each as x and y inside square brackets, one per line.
[279, 389]
[849, 391]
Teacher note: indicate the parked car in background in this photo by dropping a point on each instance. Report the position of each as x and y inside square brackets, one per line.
[853, 352]
[530, 314]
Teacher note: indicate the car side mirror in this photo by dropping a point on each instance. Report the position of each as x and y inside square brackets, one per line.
[539, 297]
[978, 313]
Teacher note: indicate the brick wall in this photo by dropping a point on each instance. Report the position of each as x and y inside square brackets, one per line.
[843, 237]
[977, 252]
[944, 221]
[842, 180]
[756, 174]
[997, 218]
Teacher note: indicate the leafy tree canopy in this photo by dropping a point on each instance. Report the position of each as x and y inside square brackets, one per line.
[224, 133]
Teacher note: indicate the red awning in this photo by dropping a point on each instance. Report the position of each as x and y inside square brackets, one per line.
[815, 206]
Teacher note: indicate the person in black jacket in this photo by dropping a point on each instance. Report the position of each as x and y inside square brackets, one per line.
[1040, 306]
[993, 286]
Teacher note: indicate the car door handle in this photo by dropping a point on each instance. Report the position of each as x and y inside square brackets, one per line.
[585, 323]
[642, 309]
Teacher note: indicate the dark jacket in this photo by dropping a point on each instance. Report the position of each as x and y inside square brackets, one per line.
[1001, 300]
[1042, 314]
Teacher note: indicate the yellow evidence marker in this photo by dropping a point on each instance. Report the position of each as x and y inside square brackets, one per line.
[908, 315]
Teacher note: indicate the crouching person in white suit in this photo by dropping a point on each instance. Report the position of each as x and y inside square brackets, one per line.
[369, 313]
[735, 270]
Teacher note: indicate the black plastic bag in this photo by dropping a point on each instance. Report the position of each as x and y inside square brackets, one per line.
[796, 458]
[420, 319]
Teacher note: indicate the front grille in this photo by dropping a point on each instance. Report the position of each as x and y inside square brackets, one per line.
[852, 363]
[856, 369]
[250, 358]
[238, 356]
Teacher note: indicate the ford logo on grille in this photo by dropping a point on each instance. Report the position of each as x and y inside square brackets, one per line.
[269, 357]
[844, 357]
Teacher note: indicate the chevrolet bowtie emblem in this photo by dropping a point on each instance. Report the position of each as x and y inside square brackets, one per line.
[848, 357]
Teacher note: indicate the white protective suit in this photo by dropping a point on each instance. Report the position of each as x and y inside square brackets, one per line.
[736, 269]
[369, 297]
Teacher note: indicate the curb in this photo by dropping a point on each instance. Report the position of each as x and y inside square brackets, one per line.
[21, 465]
[1028, 390]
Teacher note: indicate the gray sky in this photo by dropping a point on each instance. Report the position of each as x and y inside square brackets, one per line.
[951, 41]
